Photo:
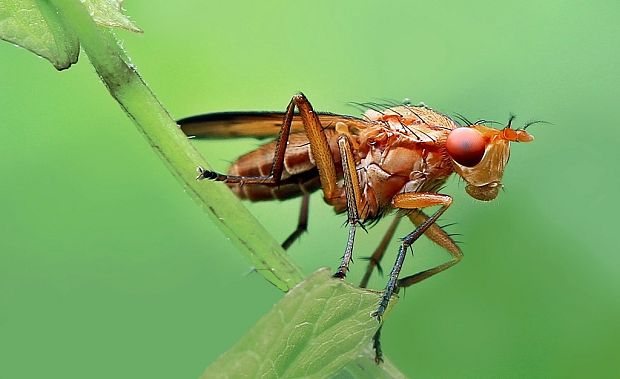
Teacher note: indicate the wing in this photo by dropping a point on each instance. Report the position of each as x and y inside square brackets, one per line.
[249, 124]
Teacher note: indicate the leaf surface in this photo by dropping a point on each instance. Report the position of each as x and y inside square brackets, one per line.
[110, 13]
[36, 25]
[318, 328]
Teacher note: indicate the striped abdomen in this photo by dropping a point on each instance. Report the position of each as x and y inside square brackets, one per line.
[298, 176]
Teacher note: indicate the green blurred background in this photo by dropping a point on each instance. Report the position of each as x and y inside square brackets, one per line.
[109, 270]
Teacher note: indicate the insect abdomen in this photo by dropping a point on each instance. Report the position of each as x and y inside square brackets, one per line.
[299, 174]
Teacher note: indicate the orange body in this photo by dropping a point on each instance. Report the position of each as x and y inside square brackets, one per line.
[393, 158]
[401, 149]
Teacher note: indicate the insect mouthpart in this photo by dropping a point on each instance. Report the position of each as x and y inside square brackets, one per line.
[486, 192]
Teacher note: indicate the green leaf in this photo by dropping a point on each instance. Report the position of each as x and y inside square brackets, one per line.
[110, 13]
[364, 366]
[318, 328]
[37, 26]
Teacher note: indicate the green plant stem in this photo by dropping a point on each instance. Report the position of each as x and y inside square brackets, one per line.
[182, 159]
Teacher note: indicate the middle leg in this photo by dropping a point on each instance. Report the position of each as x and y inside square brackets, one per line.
[354, 202]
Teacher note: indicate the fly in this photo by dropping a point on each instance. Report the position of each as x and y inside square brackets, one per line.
[393, 158]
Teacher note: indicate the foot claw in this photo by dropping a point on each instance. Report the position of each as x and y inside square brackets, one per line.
[378, 314]
[200, 171]
[205, 174]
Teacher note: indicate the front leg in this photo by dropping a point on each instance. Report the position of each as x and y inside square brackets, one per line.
[435, 233]
[413, 200]
[440, 237]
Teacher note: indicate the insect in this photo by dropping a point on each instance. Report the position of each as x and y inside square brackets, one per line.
[393, 158]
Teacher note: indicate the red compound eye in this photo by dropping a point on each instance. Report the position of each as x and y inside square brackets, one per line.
[466, 146]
